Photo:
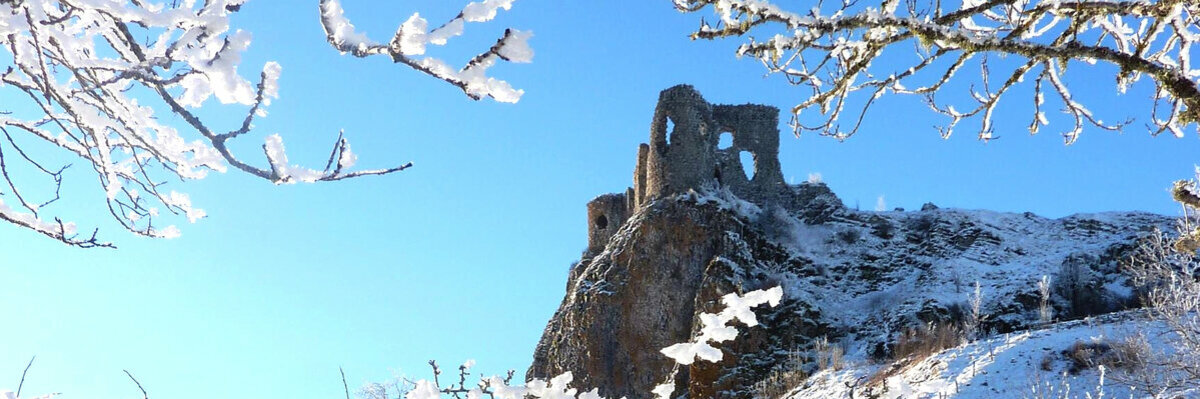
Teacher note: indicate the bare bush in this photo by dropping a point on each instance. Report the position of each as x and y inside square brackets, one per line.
[776, 223]
[974, 320]
[882, 228]
[1125, 354]
[1147, 368]
[784, 377]
[1166, 273]
[828, 355]
[1045, 311]
[848, 235]
[916, 344]
[1166, 277]
[1130, 353]
[926, 340]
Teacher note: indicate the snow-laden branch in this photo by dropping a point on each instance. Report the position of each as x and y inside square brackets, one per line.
[414, 36]
[848, 55]
[99, 77]
[715, 330]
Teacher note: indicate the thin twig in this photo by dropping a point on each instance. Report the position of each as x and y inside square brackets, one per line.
[22, 383]
[139, 385]
[344, 385]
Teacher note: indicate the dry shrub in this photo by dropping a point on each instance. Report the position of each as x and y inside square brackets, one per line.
[791, 372]
[828, 356]
[783, 378]
[1085, 355]
[920, 226]
[1048, 362]
[923, 341]
[849, 235]
[774, 222]
[882, 228]
[1168, 281]
[1132, 353]
[916, 344]
[779, 383]
[1128, 354]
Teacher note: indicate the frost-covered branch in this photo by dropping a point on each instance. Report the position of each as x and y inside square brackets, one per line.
[715, 329]
[99, 77]
[1166, 271]
[848, 55]
[414, 36]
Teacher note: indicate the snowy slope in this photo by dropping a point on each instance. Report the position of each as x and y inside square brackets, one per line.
[855, 279]
[1029, 364]
[873, 275]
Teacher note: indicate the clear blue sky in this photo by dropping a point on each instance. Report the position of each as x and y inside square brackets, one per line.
[466, 254]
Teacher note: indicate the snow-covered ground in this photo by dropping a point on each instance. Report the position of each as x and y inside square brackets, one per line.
[1029, 364]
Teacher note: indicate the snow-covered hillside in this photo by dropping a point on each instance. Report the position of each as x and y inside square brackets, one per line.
[873, 274]
[1029, 364]
[855, 283]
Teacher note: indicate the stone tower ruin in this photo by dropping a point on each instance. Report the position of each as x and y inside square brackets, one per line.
[683, 155]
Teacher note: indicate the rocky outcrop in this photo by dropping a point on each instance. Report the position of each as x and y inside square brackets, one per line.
[615, 319]
[669, 248]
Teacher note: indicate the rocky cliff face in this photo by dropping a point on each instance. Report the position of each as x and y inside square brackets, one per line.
[658, 257]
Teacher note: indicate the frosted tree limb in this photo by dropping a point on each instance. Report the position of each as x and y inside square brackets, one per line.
[98, 78]
[413, 36]
[832, 49]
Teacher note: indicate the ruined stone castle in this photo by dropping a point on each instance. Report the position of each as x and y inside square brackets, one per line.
[683, 154]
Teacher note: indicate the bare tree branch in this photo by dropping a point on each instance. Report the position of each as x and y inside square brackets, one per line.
[832, 50]
[412, 39]
[82, 66]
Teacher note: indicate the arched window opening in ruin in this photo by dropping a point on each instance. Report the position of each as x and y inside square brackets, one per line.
[747, 164]
[670, 129]
[601, 222]
[725, 141]
[717, 174]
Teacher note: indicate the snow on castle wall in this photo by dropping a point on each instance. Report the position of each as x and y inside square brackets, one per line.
[683, 155]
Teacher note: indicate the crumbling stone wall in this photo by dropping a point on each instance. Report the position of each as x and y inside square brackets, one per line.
[606, 214]
[755, 130]
[683, 155]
